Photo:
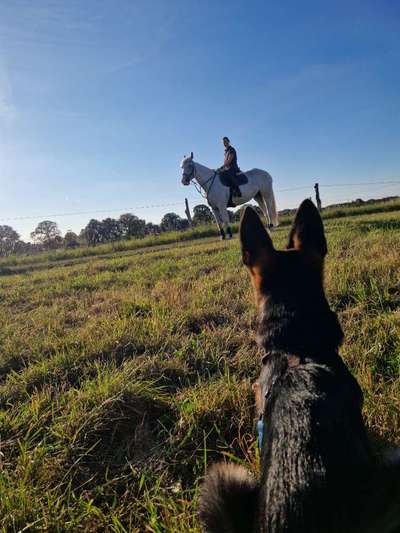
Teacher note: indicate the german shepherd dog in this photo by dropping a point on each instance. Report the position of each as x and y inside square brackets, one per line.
[317, 470]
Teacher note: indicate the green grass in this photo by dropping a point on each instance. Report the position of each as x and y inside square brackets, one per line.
[171, 237]
[200, 232]
[123, 374]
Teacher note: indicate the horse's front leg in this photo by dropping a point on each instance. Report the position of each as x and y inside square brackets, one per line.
[219, 222]
[225, 221]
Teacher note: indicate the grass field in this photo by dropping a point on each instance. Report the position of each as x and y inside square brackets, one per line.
[166, 239]
[124, 373]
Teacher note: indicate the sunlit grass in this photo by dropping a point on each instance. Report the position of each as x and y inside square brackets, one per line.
[124, 373]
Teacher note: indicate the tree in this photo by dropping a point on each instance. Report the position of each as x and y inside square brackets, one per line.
[48, 234]
[132, 226]
[71, 240]
[231, 215]
[202, 214]
[173, 222]
[27, 248]
[8, 240]
[235, 216]
[93, 232]
[152, 229]
[111, 229]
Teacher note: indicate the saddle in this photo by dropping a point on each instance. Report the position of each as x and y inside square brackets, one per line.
[240, 179]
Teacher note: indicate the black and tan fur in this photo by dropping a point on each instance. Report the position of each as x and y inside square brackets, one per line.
[317, 471]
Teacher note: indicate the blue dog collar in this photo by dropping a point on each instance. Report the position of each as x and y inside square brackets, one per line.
[260, 431]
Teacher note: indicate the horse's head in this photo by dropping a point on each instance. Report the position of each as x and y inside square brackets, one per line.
[188, 169]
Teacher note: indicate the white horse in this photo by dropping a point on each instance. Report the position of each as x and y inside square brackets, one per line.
[259, 187]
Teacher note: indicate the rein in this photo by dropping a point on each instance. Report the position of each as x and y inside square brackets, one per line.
[198, 189]
[192, 176]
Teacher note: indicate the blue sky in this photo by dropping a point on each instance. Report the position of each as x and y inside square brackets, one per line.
[99, 101]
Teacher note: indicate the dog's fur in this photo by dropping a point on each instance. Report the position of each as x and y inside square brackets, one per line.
[317, 471]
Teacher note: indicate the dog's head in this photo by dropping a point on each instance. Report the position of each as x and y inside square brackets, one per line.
[286, 275]
[288, 284]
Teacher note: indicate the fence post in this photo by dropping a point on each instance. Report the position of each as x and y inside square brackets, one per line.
[317, 197]
[187, 211]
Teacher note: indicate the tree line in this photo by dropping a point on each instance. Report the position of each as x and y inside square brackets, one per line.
[47, 235]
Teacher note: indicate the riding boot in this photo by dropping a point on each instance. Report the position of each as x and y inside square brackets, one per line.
[236, 191]
[234, 186]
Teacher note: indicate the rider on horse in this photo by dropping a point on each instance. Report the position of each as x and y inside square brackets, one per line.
[230, 167]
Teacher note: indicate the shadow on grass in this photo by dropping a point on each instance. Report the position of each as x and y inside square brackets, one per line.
[385, 225]
[382, 448]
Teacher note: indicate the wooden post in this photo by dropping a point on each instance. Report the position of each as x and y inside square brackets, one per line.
[317, 197]
[187, 211]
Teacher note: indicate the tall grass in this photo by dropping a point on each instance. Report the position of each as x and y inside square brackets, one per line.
[123, 375]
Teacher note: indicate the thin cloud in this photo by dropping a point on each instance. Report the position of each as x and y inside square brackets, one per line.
[161, 32]
[311, 76]
[50, 24]
[289, 93]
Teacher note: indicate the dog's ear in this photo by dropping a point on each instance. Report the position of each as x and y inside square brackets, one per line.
[257, 247]
[258, 251]
[307, 233]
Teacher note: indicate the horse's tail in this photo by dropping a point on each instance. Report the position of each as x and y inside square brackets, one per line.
[269, 200]
[272, 206]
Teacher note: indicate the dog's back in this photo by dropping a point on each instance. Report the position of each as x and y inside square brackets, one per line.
[314, 443]
[317, 472]
[314, 449]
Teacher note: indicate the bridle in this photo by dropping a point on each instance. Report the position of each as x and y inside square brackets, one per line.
[192, 175]
[189, 177]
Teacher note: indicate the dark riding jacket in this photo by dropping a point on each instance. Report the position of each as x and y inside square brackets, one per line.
[230, 161]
